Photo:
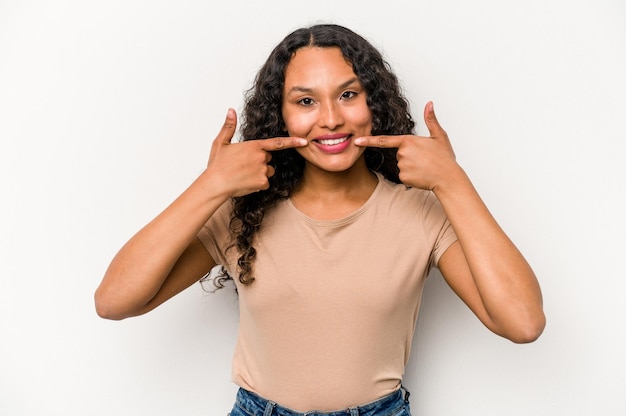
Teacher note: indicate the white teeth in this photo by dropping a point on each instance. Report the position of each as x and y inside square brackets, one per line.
[332, 142]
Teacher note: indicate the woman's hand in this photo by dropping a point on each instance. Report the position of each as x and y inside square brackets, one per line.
[242, 168]
[165, 256]
[484, 267]
[424, 162]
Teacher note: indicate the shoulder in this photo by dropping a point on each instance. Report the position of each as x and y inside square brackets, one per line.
[219, 223]
[413, 204]
[402, 195]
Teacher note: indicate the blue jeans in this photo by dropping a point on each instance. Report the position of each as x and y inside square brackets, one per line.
[394, 404]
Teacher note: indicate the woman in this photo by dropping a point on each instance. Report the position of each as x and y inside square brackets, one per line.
[328, 216]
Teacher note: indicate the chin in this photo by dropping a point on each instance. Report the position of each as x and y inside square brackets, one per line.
[335, 163]
[336, 167]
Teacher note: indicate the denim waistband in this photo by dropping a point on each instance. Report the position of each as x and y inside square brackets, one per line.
[257, 405]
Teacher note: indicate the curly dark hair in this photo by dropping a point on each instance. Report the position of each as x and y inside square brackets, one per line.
[262, 118]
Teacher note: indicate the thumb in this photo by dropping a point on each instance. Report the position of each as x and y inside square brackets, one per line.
[434, 128]
[228, 128]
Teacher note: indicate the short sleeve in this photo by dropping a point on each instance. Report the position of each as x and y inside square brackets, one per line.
[438, 229]
[215, 235]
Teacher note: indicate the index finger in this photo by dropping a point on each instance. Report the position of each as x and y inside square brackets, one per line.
[280, 143]
[378, 141]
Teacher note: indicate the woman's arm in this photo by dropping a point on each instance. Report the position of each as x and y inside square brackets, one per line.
[483, 267]
[165, 256]
[162, 259]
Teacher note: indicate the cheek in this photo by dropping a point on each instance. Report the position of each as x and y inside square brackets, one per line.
[298, 126]
[367, 126]
[360, 116]
[364, 120]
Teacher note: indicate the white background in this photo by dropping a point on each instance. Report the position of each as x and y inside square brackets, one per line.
[108, 110]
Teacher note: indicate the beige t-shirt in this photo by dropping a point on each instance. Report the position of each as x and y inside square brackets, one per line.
[329, 320]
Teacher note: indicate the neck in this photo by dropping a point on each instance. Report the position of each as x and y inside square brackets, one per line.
[327, 195]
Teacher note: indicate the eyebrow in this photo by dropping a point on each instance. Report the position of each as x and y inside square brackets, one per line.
[297, 88]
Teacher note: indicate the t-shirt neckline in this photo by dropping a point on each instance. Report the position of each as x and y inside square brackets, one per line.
[343, 220]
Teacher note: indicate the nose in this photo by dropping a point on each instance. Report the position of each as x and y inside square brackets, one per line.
[331, 116]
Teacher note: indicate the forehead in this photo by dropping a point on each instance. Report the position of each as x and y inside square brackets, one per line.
[315, 65]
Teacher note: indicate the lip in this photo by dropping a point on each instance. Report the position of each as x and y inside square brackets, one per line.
[333, 136]
[332, 148]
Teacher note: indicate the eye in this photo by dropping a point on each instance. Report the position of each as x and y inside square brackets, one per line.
[305, 102]
[348, 94]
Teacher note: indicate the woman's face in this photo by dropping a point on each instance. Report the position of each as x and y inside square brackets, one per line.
[324, 102]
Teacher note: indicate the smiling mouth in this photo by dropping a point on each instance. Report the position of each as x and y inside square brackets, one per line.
[332, 142]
